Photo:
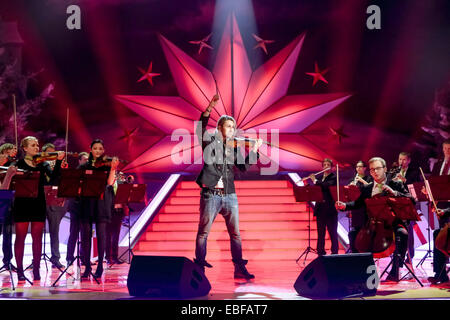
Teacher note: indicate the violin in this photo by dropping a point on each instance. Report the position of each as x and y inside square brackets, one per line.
[243, 142]
[49, 156]
[105, 161]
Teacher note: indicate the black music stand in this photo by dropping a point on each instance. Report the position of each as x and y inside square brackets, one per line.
[80, 183]
[403, 209]
[129, 193]
[346, 194]
[440, 187]
[26, 185]
[308, 194]
[6, 198]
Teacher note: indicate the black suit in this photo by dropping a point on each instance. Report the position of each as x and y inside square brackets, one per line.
[439, 259]
[326, 215]
[359, 217]
[399, 226]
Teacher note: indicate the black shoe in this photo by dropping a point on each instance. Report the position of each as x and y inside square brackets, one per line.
[36, 274]
[203, 263]
[241, 272]
[21, 276]
[438, 280]
[392, 277]
[98, 273]
[57, 264]
[86, 273]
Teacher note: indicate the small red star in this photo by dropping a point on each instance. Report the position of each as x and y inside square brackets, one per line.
[317, 74]
[147, 75]
[338, 133]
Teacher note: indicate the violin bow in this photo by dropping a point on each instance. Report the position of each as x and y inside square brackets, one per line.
[67, 133]
[427, 187]
[337, 177]
[15, 121]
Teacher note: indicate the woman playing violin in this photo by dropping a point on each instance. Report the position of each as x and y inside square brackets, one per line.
[97, 211]
[32, 210]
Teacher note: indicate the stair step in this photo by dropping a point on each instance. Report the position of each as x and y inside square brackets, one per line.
[257, 199]
[217, 255]
[244, 225]
[247, 216]
[240, 192]
[258, 245]
[248, 184]
[223, 235]
[294, 207]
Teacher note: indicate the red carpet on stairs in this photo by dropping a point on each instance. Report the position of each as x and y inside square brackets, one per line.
[273, 225]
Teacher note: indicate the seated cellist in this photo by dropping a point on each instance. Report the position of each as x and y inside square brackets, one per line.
[384, 187]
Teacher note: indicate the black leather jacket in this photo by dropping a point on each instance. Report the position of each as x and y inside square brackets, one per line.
[215, 164]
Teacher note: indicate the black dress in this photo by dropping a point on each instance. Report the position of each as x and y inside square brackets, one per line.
[34, 209]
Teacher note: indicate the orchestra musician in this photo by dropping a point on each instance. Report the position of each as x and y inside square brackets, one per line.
[442, 167]
[8, 153]
[358, 216]
[74, 211]
[384, 186]
[216, 181]
[407, 175]
[54, 215]
[324, 211]
[96, 211]
[32, 210]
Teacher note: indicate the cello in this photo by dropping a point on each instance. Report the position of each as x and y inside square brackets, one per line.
[377, 236]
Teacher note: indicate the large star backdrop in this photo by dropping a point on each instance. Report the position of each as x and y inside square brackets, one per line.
[255, 98]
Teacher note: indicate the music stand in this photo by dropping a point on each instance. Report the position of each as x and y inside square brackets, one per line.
[51, 199]
[347, 194]
[308, 194]
[440, 187]
[80, 183]
[401, 208]
[129, 193]
[26, 185]
[6, 198]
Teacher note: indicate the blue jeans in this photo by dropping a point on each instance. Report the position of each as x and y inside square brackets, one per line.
[210, 206]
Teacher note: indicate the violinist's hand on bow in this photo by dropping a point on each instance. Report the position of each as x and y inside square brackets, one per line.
[389, 190]
[61, 155]
[257, 144]
[114, 163]
[340, 205]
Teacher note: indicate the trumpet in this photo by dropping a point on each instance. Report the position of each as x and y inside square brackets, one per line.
[306, 178]
[122, 178]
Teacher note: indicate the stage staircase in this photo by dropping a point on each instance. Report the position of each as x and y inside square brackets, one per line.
[273, 225]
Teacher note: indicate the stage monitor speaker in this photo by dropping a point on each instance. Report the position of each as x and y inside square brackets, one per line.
[171, 277]
[338, 275]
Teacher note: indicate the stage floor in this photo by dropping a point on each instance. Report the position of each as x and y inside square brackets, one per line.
[274, 281]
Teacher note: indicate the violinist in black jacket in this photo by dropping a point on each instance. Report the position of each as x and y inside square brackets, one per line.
[386, 187]
[324, 211]
[216, 181]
